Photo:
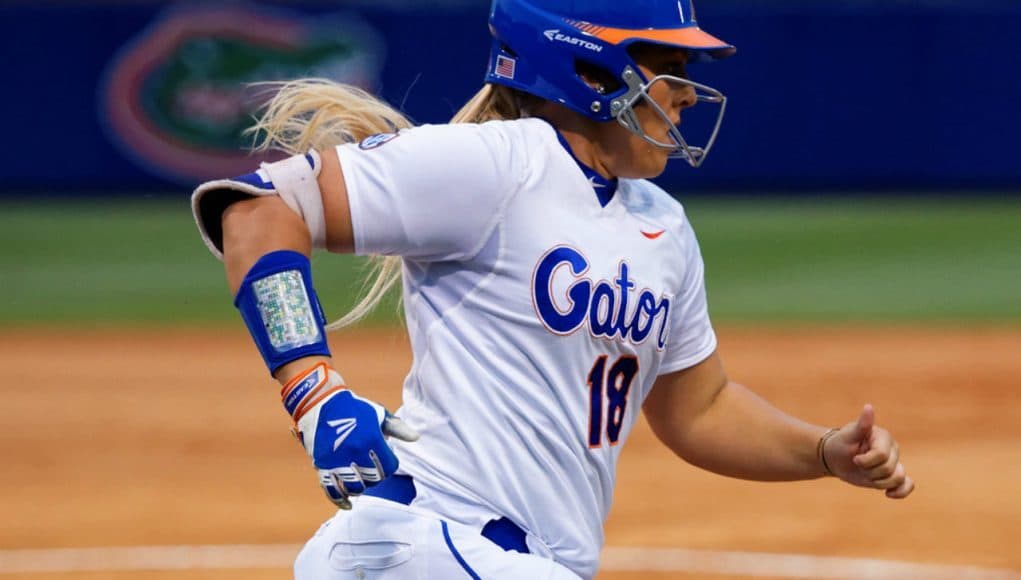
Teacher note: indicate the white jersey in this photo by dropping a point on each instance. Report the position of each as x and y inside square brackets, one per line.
[542, 302]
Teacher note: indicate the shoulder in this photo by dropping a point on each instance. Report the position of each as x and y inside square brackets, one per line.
[648, 202]
[526, 140]
[527, 128]
[502, 141]
[532, 130]
[652, 206]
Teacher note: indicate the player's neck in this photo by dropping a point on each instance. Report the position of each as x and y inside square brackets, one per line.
[581, 135]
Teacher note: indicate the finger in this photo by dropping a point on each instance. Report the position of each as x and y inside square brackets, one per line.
[863, 427]
[379, 466]
[351, 478]
[888, 467]
[884, 471]
[877, 458]
[334, 490]
[871, 459]
[903, 491]
[394, 427]
[372, 475]
[894, 480]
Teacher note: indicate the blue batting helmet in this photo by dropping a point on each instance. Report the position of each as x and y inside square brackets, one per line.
[537, 45]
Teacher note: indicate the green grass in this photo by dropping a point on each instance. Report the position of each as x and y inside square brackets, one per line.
[853, 259]
[129, 262]
[141, 262]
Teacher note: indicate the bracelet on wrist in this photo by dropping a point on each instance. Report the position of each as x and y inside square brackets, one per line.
[820, 449]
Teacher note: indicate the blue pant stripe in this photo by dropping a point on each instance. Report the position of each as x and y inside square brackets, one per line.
[457, 555]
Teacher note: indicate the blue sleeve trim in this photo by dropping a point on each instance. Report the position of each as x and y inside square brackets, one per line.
[457, 555]
[281, 309]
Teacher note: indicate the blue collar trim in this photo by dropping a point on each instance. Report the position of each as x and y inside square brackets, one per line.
[604, 188]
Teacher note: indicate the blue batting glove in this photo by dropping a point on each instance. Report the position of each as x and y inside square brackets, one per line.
[344, 434]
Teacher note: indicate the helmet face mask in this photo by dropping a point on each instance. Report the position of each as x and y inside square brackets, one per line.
[538, 50]
[623, 109]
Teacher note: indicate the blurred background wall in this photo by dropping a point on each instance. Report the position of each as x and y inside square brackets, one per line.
[860, 220]
[825, 96]
[117, 109]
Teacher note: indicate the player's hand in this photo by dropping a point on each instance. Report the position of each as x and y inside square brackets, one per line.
[865, 455]
[344, 434]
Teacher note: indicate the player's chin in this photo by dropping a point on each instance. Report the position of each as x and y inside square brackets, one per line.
[656, 162]
[650, 164]
[643, 161]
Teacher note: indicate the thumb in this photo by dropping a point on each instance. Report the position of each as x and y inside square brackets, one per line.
[862, 429]
[394, 427]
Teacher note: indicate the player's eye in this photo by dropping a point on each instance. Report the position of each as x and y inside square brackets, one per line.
[674, 69]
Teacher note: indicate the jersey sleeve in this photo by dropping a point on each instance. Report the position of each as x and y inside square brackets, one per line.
[692, 338]
[433, 192]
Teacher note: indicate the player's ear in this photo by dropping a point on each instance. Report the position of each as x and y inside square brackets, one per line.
[599, 79]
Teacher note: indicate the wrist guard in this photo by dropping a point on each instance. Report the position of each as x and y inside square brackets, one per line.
[281, 309]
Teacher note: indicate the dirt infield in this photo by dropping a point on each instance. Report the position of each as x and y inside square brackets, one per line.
[142, 438]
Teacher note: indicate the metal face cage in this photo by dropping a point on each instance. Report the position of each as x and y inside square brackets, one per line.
[623, 109]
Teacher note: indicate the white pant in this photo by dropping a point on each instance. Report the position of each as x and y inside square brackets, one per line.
[381, 539]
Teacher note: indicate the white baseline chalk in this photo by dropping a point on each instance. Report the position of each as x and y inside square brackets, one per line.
[615, 559]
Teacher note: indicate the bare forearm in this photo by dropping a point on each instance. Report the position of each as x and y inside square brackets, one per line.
[741, 435]
[253, 228]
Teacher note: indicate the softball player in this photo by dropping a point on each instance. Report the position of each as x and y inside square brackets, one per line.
[550, 294]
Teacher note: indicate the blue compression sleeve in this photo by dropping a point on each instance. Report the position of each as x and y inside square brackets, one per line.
[281, 309]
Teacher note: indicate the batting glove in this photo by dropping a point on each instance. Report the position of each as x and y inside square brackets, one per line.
[344, 434]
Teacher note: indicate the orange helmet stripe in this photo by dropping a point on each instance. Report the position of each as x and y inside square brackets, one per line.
[690, 37]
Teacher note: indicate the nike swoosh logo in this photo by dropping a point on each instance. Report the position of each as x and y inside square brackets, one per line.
[653, 235]
[344, 428]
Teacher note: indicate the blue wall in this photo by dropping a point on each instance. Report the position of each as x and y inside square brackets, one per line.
[824, 95]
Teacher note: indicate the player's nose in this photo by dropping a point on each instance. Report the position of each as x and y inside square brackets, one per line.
[683, 98]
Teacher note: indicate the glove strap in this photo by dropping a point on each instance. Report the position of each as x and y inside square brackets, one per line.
[309, 388]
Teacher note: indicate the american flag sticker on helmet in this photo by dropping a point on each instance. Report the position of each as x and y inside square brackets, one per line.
[505, 67]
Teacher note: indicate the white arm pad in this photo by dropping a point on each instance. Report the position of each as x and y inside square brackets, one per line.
[297, 184]
[294, 179]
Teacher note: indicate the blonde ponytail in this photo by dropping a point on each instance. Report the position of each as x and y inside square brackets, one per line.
[494, 103]
[318, 113]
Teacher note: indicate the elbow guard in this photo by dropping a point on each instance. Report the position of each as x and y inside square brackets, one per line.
[294, 179]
